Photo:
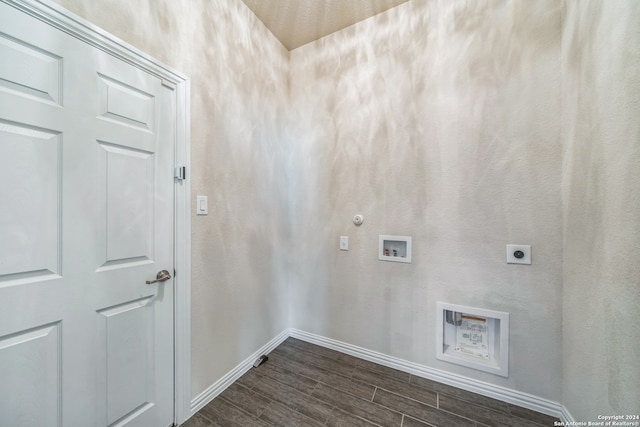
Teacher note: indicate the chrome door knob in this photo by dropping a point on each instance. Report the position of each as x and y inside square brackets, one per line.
[160, 277]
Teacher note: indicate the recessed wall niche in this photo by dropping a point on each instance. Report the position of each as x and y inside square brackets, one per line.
[473, 337]
[394, 248]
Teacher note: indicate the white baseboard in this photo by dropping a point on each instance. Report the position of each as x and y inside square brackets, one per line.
[566, 417]
[221, 385]
[504, 394]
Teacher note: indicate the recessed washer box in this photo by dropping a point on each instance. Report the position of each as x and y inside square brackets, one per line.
[473, 337]
[394, 248]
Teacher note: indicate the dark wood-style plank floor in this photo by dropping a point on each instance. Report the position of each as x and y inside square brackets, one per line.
[306, 385]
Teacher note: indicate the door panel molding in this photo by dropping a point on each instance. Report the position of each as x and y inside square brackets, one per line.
[33, 247]
[129, 368]
[37, 73]
[123, 103]
[39, 350]
[62, 19]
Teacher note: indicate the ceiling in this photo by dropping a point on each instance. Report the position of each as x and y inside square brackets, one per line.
[298, 22]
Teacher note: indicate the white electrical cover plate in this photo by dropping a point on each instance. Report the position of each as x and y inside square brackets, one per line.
[202, 207]
[344, 243]
[524, 259]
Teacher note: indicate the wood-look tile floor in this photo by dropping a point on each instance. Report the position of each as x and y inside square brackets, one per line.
[306, 385]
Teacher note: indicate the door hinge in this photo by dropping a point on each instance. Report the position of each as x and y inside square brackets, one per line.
[180, 173]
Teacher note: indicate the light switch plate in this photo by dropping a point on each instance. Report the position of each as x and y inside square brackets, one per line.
[202, 207]
[513, 250]
[344, 243]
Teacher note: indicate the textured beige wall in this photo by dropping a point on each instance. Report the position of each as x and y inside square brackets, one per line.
[442, 120]
[239, 89]
[439, 120]
[601, 194]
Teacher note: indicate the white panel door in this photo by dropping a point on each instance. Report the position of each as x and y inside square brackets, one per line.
[86, 218]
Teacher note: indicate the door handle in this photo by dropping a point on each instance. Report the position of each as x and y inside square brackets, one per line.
[160, 277]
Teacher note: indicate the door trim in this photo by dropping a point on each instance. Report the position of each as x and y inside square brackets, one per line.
[66, 21]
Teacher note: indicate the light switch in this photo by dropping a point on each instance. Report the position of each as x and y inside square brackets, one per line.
[202, 205]
[344, 243]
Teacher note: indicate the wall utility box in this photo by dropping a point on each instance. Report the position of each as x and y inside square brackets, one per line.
[473, 337]
[394, 248]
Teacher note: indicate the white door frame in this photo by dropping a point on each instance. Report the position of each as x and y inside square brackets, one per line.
[64, 20]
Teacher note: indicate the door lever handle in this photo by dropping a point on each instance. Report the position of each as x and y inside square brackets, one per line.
[160, 277]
